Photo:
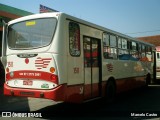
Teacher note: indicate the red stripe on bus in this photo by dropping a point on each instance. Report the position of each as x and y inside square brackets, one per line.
[57, 94]
[77, 93]
[29, 74]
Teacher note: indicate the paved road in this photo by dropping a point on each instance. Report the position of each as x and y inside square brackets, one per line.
[140, 102]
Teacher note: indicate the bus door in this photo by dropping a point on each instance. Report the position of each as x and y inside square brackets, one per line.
[92, 58]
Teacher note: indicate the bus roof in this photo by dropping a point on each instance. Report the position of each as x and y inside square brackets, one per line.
[57, 14]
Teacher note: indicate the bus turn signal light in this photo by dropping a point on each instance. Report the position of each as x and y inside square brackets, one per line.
[52, 69]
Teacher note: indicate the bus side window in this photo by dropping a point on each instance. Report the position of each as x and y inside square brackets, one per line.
[134, 51]
[109, 46]
[140, 50]
[74, 39]
[119, 42]
[158, 56]
[106, 49]
[143, 51]
[113, 45]
[149, 53]
[123, 52]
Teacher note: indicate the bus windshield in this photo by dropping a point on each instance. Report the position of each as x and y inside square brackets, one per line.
[31, 33]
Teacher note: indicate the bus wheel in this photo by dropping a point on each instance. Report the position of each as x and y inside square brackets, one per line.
[110, 91]
[148, 79]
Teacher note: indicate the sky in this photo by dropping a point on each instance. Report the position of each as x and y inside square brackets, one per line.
[135, 18]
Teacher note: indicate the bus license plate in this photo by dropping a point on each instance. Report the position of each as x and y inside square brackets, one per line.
[27, 82]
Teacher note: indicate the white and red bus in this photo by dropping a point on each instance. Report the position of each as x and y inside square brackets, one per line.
[158, 63]
[60, 57]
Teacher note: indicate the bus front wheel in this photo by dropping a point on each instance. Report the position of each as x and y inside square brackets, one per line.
[110, 91]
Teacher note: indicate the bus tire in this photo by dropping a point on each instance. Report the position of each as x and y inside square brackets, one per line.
[148, 79]
[110, 91]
